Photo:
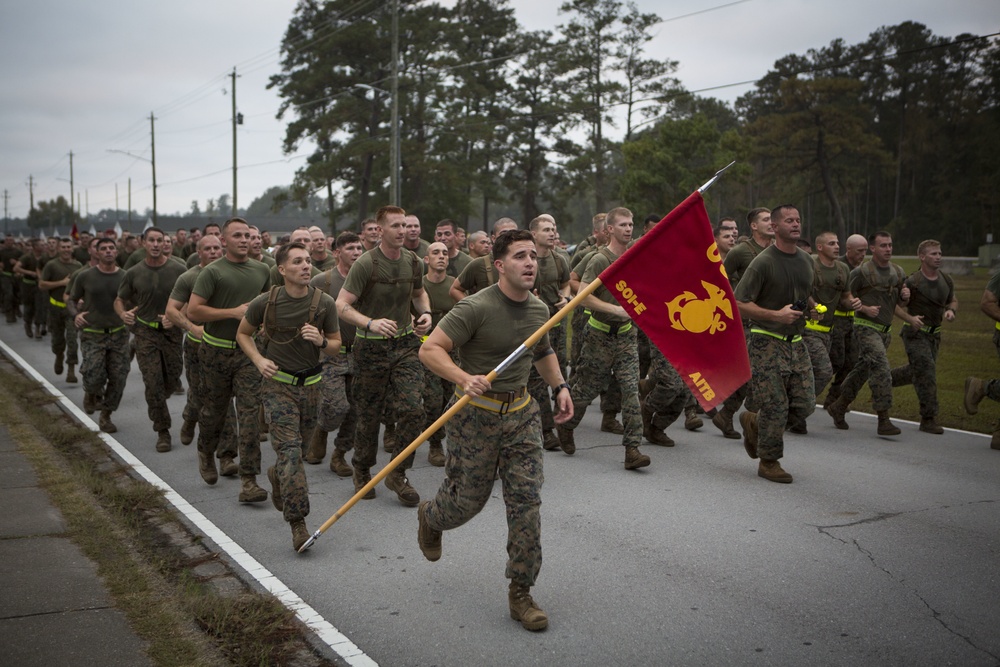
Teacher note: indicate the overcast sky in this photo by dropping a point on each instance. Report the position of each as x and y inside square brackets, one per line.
[85, 76]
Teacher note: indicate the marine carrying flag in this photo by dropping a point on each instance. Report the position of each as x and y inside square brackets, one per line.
[673, 285]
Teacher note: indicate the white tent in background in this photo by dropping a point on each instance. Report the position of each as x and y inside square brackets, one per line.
[93, 230]
[118, 230]
[149, 223]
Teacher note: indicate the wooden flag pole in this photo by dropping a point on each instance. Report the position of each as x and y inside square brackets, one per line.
[452, 411]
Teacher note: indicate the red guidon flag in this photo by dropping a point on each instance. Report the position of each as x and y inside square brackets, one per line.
[74, 233]
[673, 285]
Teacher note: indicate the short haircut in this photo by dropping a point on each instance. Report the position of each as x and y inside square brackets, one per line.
[823, 236]
[652, 218]
[537, 222]
[105, 240]
[152, 229]
[477, 236]
[781, 207]
[368, 221]
[804, 244]
[347, 237]
[447, 223]
[618, 212]
[925, 245]
[599, 221]
[231, 221]
[65, 239]
[754, 212]
[281, 256]
[384, 212]
[501, 245]
[875, 235]
[504, 221]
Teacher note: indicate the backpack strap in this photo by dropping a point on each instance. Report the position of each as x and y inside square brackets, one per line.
[270, 317]
[314, 304]
[488, 260]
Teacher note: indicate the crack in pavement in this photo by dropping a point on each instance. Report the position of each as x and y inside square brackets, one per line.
[883, 516]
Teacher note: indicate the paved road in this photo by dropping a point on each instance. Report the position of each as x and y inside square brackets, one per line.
[883, 551]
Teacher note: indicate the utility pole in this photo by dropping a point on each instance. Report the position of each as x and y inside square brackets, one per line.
[152, 143]
[117, 209]
[71, 180]
[395, 187]
[31, 193]
[130, 203]
[5, 198]
[86, 199]
[236, 120]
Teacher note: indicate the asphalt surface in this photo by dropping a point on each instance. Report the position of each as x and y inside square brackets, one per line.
[883, 551]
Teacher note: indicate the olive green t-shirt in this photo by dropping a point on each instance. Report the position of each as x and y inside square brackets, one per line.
[994, 284]
[57, 270]
[440, 298]
[929, 298]
[877, 286]
[487, 326]
[7, 258]
[287, 348]
[595, 266]
[739, 259]
[29, 262]
[185, 284]
[553, 272]
[581, 257]
[830, 285]
[266, 258]
[331, 282]
[98, 291]
[192, 260]
[149, 288]
[478, 274]
[421, 249]
[227, 284]
[328, 262]
[81, 255]
[457, 264]
[773, 280]
[390, 295]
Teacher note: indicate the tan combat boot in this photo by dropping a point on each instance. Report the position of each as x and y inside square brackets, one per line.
[975, 391]
[692, 421]
[187, 432]
[723, 421]
[635, 459]
[58, 367]
[396, 482]
[105, 422]
[435, 455]
[163, 441]
[428, 539]
[71, 374]
[89, 403]
[206, 466]
[930, 425]
[995, 442]
[748, 420]
[611, 425]
[361, 478]
[650, 432]
[886, 427]
[250, 492]
[550, 441]
[566, 441]
[524, 610]
[773, 472]
[228, 467]
[838, 409]
[339, 465]
[316, 451]
[389, 438]
[300, 534]
[276, 499]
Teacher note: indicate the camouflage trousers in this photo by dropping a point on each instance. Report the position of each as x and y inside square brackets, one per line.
[348, 427]
[921, 371]
[602, 355]
[437, 393]
[228, 373]
[993, 386]
[872, 367]
[818, 344]
[669, 395]
[34, 303]
[290, 412]
[611, 398]
[482, 443]
[158, 353]
[105, 366]
[63, 332]
[333, 403]
[557, 339]
[9, 293]
[781, 390]
[386, 368]
[192, 408]
[579, 324]
[645, 353]
[843, 351]
[738, 397]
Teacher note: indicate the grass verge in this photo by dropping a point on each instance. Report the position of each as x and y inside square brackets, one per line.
[126, 527]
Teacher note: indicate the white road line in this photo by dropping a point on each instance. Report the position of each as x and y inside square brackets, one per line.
[323, 629]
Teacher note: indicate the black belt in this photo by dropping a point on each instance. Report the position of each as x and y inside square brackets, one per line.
[506, 396]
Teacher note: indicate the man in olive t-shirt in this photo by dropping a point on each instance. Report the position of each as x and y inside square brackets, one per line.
[299, 325]
[437, 391]
[975, 388]
[54, 279]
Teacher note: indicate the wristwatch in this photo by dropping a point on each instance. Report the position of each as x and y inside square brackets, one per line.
[564, 385]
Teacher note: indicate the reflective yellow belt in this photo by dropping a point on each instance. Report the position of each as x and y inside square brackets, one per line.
[370, 336]
[105, 331]
[346, 349]
[57, 304]
[812, 325]
[219, 342]
[606, 328]
[151, 325]
[927, 329]
[303, 379]
[192, 338]
[512, 401]
[795, 338]
[843, 313]
[29, 281]
[998, 326]
[881, 328]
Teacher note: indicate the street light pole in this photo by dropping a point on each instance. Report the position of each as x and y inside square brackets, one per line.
[395, 185]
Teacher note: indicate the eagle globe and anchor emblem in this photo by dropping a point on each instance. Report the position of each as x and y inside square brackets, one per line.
[689, 313]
